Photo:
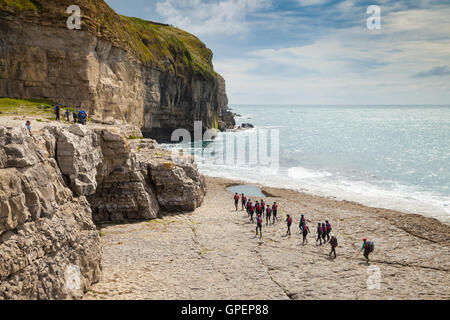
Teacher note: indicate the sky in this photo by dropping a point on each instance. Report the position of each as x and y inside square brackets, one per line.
[317, 51]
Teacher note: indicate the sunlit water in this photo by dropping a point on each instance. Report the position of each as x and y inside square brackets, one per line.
[395, 157]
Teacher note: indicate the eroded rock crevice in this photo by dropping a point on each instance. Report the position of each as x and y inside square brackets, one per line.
[53, 188]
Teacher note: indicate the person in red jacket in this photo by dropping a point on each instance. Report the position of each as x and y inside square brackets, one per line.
[305, 231]
[319, 233]
[236, 201]
[268, 214]
[288, 222]
[334, 244]
[274, 212]
[328, 226]
[259, 225]
[251, 211]
[244, 201]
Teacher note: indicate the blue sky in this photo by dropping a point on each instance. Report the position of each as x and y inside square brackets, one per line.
[317, 51]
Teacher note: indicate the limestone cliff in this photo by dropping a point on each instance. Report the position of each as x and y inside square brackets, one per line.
[155, 76]
[45, 231]
[56, 184]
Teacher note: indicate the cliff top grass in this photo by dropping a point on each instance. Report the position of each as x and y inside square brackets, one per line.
[159, 45]
[19, 107]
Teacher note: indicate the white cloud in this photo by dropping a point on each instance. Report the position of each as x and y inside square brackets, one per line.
[201, 17]
[312, 2]
[352, 65]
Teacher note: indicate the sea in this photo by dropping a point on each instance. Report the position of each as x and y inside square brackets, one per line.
[394, 157]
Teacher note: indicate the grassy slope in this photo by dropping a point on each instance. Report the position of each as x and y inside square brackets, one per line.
[161, 46]
[33, 107]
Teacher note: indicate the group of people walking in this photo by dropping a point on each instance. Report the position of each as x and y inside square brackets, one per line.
[323, 228]
[78, 117]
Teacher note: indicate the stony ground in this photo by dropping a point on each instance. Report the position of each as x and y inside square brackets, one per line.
[213, 253]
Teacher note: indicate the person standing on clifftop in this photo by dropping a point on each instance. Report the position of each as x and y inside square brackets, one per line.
[28, 125]
[236, 201]
[259, 225]
[244, 201]
[74, 115]
[68, 114]
[82, 117]
[57, 109]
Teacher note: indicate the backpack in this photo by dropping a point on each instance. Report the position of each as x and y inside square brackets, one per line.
[259, 220]
[370, 246]
[335, 242]
[319, 230]
[289, 220]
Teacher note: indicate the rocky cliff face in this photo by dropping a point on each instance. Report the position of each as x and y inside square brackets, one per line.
[48, 239]
[112, 77]
[55, 185]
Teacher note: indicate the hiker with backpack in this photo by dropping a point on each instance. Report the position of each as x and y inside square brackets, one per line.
[257, 208]
[259, 225]
[274, 212]
[305, 231]
[334, 244]
[302, 222]
[368, 248]
[236, 201]
[244, 201]
[82, 116]
[319, 233]
[328, 226]
[248, 205]
[251, 211]
[288, 222]
[268, 214]
[324, 232]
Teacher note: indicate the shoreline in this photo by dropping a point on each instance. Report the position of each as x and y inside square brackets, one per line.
[213, 253]
[437, 230]
[425, 209]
